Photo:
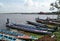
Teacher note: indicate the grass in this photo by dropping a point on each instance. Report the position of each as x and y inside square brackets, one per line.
[57, 35]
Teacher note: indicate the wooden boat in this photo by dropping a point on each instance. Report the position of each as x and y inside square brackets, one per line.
[16, 35]
[4, 40]
[47, 21]
[36, 24]
[6, 37]
[41, 26]
[28, 28]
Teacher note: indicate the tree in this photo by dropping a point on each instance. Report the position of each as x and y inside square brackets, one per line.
[54, 5]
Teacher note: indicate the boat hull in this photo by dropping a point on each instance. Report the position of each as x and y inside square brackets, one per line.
[28, 29]
[47, 22]
[41, 26]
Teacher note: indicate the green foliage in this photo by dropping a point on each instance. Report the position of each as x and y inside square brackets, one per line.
[58, 35]
[56, 4]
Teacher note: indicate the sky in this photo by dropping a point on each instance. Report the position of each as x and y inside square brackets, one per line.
[24, 6]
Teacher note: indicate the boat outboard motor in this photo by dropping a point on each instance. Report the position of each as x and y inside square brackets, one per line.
[7, 21]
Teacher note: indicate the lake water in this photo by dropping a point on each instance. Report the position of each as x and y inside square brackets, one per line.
[21, 18]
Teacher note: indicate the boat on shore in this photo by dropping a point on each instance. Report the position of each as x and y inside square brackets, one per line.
[51, 22]
[49, 19]
[27, 28]
[11, 35]
[41, 26]
[6, 37]
[3, 40]
[36, 24]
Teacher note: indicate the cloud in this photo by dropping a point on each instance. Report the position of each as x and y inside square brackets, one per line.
[27, 6]
[28, 3]
[1, 4]
[35, 5]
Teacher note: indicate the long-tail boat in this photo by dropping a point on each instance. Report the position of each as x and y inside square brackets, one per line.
[28, 28]
[36, 24]
[47, 21]
[41, 25]
[15, 34]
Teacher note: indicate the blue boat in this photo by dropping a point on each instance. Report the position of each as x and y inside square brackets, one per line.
[27, 28]
[11, 32]
[17, 35]
[2, 37]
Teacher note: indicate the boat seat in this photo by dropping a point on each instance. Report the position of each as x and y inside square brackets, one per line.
[12, 33]
[1, 35]
[9, 38]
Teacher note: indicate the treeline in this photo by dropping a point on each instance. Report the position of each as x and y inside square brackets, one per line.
[35, 13]
[49, 13]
